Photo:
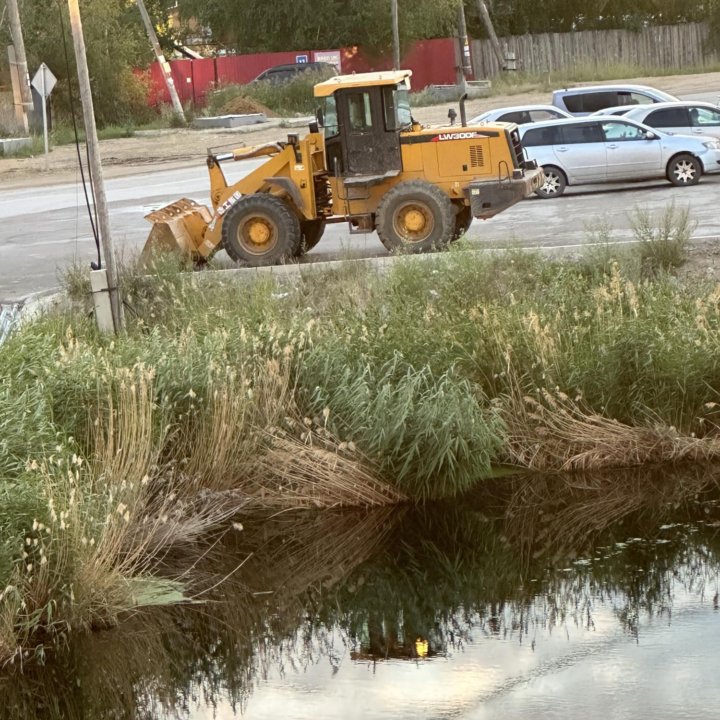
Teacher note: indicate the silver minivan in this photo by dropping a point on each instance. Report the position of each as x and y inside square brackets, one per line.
[587, 100]
[613, 149]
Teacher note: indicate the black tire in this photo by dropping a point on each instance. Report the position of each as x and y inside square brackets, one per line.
[261, 229]
[554, 185]
[415, 216]
[312, 231]
[684, 169]
[463, 220]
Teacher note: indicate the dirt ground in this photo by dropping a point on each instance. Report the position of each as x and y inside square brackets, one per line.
[164, 148]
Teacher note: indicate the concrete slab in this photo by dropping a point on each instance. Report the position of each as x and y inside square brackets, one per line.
[11, 145]
[229, 121]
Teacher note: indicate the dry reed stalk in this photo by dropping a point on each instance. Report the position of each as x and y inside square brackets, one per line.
[299, 474]
[124, 443]
[230, 434]
[553, 432]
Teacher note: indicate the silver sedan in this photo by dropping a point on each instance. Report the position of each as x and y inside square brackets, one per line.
[613, 149]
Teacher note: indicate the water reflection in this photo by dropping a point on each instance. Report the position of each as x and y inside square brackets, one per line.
[590, 559]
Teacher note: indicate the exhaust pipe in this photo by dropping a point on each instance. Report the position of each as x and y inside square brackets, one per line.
[463, 116]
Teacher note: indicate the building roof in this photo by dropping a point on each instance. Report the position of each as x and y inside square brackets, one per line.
[387, 77]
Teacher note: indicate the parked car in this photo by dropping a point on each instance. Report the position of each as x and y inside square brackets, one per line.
[617, 110]
[586, 100]
[284, 73]
[520, 114]
[608, 149]
[680, 118]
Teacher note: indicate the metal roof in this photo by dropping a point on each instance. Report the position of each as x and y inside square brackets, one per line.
[339, 82]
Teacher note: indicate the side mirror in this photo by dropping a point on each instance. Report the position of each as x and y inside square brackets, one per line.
[319, 117]
[649, 135]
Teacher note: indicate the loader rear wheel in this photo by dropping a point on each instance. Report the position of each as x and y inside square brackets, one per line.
[463, 220]
[415, 216]
[312, 231]
[261, 229]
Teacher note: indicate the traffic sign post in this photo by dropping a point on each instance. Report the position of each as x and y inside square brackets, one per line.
[44, 82]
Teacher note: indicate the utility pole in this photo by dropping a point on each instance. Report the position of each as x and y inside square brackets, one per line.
[396, 35]
[466, 65]
[109, 280]
[494, 42]
[20, 59]
[164, 64]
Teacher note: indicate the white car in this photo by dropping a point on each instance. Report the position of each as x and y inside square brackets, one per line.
[680, 118]
[614, 149]
[520, 114]
[616, 110]
[591, 98]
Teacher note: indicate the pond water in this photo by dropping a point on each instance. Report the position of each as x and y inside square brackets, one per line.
[537, 598]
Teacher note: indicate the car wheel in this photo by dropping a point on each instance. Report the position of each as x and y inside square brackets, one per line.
[554, 185]
[684, 169]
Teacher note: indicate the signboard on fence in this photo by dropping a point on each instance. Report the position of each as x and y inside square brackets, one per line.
[301, 59]
[328, 56]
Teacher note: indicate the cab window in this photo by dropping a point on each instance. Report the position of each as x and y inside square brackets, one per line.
[330, 118]
[396, 104]
[359, 112]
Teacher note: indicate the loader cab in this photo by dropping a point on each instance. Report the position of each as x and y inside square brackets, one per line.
[362, 117]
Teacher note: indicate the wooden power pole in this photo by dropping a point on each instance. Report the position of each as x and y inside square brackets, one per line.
[396, 34]
[164, 65]
[465, 61]
[108, 283]
[20, 59]
[494, 42]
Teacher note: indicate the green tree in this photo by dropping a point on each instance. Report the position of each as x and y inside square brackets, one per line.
[259, 26]
[116, 47]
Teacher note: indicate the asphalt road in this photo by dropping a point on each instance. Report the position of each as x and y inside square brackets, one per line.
[45, 229]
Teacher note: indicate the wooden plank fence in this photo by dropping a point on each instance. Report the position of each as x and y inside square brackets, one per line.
[667, 47]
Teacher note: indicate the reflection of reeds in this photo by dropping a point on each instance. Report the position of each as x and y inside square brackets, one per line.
[550, 431]
[294, 553]
[553, 515]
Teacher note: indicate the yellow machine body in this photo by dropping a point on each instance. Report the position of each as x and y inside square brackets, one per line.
[371, 166]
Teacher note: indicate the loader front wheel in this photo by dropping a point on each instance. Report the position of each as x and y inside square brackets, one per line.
[261, 229]
[415, 216]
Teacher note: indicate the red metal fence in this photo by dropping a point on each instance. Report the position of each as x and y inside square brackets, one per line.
[433, 62]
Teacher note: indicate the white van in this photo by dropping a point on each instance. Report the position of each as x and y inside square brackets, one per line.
[586, 100]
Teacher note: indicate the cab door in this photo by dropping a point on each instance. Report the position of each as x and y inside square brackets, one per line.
[369, 146]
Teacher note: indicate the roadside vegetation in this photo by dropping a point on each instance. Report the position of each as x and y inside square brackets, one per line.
[343, 388]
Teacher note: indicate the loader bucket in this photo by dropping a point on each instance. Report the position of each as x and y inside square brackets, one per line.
[178, 227]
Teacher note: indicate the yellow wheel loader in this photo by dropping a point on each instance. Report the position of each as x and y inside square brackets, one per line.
[364, 162]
